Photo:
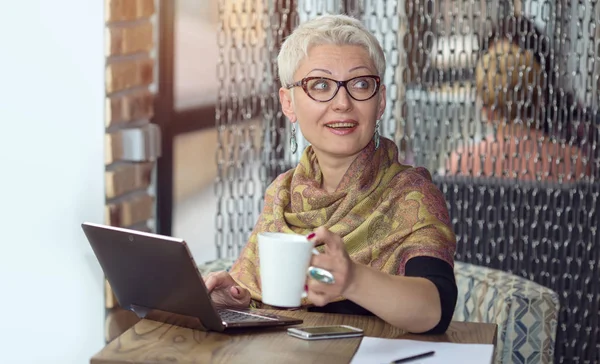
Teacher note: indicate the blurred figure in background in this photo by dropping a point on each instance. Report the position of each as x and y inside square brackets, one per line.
[540, 131]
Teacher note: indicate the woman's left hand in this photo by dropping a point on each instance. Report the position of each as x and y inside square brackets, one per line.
[337, 261]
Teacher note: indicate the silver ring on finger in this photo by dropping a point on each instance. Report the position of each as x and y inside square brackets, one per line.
[321, 275]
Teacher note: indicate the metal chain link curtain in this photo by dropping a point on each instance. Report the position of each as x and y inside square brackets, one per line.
[516, 216]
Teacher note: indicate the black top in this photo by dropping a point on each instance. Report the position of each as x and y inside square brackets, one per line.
[436, 270]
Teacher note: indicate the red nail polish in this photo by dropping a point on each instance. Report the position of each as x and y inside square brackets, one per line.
[306, 288]
[310, 236]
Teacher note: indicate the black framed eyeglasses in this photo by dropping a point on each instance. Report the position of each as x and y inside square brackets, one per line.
[323, 89]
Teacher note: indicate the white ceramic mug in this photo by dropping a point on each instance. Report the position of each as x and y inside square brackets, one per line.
[284, 259]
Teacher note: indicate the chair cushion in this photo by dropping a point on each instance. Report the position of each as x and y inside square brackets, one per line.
[216, 265]
[526, 313]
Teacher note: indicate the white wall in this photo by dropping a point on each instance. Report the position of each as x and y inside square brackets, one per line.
[51, 179]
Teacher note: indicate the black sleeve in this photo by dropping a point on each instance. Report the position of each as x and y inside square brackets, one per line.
[345, 307]
[441, 274]
[436, 270]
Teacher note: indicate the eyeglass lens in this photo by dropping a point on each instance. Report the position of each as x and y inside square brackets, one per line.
[324, 89]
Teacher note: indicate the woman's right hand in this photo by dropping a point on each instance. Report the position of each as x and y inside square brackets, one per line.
[225, 292]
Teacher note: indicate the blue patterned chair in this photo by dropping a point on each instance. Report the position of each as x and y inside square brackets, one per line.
[216, 266]
[526, 313]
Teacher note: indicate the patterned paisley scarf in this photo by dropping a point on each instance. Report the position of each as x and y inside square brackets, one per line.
[385, 212]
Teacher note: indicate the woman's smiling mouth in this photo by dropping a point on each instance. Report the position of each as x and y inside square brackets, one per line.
[342, 127]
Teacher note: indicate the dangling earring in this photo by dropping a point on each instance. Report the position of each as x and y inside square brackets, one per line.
[376, 135]
[293, 143]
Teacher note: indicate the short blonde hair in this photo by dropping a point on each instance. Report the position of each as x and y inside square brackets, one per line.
[326, 29]
[510, 79]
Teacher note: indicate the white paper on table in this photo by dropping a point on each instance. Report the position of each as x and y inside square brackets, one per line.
[373, 350]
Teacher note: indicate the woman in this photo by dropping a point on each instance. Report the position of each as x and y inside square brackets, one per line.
[532, 139]
[382, 227]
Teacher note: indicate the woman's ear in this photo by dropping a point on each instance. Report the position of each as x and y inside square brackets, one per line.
[382, 101]
[287, 105]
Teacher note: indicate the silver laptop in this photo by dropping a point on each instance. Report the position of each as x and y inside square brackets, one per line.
[156, 277]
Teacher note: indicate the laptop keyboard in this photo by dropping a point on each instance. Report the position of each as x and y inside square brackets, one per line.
[237, 316]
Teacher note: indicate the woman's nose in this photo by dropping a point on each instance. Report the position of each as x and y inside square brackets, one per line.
[342, 101]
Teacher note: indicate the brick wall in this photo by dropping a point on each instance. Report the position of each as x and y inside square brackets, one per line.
[130, 140]
[130, 64]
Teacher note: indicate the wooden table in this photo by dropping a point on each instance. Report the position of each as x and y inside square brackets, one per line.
[156, 342]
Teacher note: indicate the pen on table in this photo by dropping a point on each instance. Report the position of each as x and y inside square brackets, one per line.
[414, 357]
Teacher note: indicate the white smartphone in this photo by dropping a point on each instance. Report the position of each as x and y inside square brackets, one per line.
[324, 332]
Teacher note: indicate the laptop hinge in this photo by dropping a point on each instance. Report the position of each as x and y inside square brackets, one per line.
[168, 317]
